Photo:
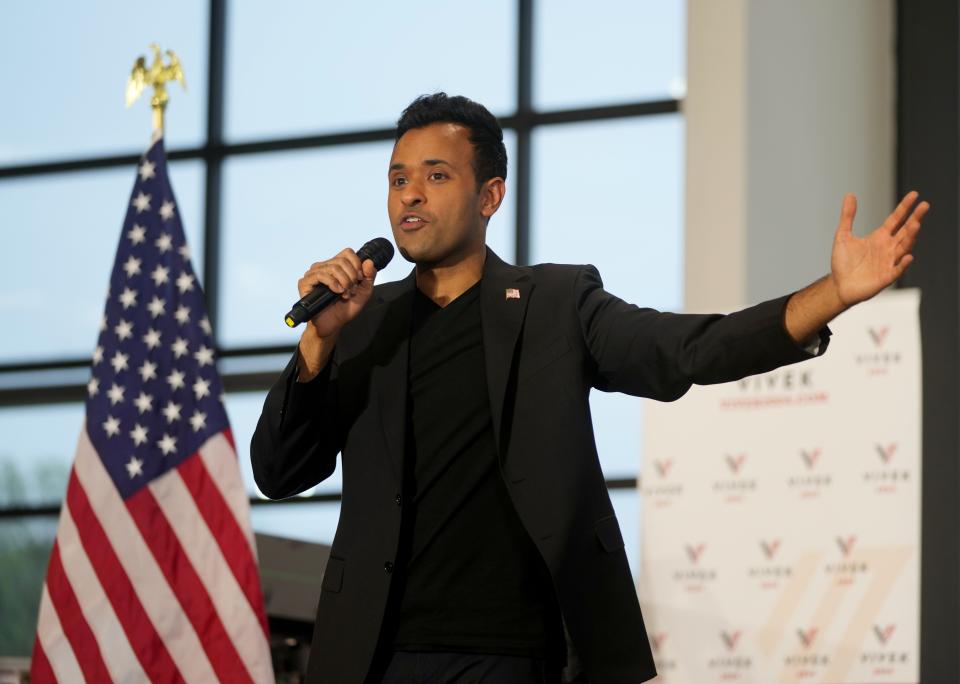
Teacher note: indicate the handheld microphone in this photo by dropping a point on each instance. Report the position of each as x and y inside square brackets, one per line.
[378, 250]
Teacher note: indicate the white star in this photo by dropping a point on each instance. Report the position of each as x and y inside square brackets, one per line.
[148, 371]
[204, 356]
[179, 347]
[160, 275]
[123, 329]
[168, 444]
[93, 386]
[175, 379]
[97, 355]
[146, 170]
[119, 362]
[182, 314]
[138, 434]
[128, 298]
[137, 234]
[156, 306]
[164, 242]
[171, 411]
[132, 266]
[184, 252]
[112, 426]
[201, 388]
[166, 210]
[205, 325]
[198, 421]
[185, 282]
[152, 339]
[134, 467]
[141, 202]
[115, 393]
[144, 402]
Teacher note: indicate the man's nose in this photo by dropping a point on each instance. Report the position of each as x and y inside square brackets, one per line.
[412, 194]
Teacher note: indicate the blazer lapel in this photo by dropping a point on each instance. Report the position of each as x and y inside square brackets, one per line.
[389, 326]
[504, 293]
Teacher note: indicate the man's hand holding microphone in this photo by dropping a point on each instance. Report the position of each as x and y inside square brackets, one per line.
[333, 293]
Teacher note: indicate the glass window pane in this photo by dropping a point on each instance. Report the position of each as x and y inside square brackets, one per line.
[626, 504]
[66, 70]
[312, 522]
[295, 68]
[610, 194]
[60, 236]
[608, 52]
[284, 211]
[243, 409]
[25, 545]
[36, 453]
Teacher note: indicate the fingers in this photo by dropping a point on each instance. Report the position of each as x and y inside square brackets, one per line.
[907, 234]
[847, 213]
[902, 265]
[899, 215]
[369, 270]
[341, 274]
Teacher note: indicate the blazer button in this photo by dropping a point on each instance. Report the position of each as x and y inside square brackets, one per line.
[388, 567]
[397, 499]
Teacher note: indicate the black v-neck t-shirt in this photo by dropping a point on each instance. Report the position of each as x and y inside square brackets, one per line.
[469, 578]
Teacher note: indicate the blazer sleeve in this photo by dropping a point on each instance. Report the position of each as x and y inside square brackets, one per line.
[296, 442]
[653, 354]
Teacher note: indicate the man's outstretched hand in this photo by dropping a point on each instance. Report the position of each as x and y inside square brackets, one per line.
[859, 267]
[862, 267]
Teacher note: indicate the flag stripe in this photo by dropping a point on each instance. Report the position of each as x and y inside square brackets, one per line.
[220, 459]
[74, 624]
[186, 584]
[115, 647]
[199, 544]
[140, 631]
[62, 660]
[40, 670]
[226, 532]
[160, 604]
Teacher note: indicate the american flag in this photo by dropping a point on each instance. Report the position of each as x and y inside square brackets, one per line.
[153, 573]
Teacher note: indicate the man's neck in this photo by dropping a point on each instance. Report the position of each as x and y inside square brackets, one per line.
[445, 283]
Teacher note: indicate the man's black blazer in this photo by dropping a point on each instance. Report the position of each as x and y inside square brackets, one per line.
[544, 352]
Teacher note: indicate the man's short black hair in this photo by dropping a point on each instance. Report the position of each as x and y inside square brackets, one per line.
[489, 153]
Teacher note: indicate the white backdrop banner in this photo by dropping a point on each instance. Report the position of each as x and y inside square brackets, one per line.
[781, 515]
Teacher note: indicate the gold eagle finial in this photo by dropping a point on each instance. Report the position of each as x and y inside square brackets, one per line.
[156, 75]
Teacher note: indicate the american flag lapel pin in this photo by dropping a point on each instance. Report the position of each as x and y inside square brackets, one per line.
[512, 293]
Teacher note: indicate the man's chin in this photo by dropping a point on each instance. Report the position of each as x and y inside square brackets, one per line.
[421, 258]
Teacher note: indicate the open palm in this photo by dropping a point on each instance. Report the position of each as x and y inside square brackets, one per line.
[862, 267]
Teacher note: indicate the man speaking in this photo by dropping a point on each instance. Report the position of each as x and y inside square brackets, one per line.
[476, 541]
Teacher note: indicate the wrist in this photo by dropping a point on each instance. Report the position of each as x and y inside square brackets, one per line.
[836, 301]
[313, 353]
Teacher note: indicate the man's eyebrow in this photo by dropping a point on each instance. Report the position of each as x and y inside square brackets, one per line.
[399, 166]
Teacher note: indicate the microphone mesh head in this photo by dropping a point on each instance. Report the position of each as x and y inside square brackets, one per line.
[378, 250]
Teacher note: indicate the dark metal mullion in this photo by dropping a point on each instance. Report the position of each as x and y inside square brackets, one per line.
[326, 497]
[214, 159]
[529, 119]
[522, 126]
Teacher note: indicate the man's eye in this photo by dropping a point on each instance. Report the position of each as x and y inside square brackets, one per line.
[399, 180]
[438, 175]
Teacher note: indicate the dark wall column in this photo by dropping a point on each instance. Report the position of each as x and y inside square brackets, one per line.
[928, 86]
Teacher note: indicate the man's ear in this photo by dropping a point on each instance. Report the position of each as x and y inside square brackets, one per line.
[491, 196]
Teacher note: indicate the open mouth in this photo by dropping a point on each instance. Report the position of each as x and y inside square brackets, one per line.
[411, 222]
